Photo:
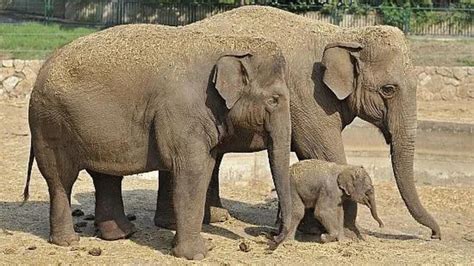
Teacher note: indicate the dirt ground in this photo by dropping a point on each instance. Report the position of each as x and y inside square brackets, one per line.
[24, 230]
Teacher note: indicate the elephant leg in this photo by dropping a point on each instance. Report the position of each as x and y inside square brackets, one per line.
[215, 212]
[189, 196]
[60, 175]
[309, 224]
[109, 212]
[350, 216]
[164, 214]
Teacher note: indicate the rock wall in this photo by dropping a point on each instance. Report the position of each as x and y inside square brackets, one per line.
[17, 77]
[434, 83]
[445, 83]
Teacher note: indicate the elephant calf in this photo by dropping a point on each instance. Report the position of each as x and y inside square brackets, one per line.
[324, 186]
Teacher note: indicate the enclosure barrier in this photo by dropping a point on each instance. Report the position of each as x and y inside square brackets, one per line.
[412, 20]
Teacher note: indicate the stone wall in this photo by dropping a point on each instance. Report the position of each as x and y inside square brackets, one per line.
[434, 83]
[17, 77]
[445, 83]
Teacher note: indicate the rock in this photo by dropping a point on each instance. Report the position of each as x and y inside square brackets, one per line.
[459, 72]
[22, 89]
[77, 213]
[10, 83]
[244, 246]
[34, 65]
[95, 251]
[29, 73]
[18, 64]
[470, 71]
[465, 91]
[131, 217]
[444, 71]
[435, 84]
[448, 93]
[89, 217]
[451, 81]
[6, 72]
[7, 63]
[31, 247]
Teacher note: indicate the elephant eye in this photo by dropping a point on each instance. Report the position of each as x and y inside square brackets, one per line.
[387, 91]
[273, 101]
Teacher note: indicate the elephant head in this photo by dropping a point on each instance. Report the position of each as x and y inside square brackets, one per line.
[357, 185]
[373, 77]
[257, 99]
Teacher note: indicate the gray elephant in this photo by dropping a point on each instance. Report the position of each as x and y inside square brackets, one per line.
[138, 98]
[325, 186]
[335, 75]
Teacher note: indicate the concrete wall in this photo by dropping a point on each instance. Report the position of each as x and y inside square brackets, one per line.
[434, 83]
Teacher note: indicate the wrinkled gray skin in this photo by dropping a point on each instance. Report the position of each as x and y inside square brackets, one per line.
[324, 187]
[138, 98]
[335, 75]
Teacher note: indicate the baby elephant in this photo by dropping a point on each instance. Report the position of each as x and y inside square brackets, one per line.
[324, 186]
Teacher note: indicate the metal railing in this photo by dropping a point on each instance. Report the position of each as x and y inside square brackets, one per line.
[412, 20]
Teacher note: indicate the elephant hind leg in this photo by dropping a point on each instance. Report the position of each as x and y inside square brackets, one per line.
[109, 212]
[60, 173]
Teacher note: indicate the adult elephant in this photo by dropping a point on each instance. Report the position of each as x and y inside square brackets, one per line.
[335, 75]
[138, 98]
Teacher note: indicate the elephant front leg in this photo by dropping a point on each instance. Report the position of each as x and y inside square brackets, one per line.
[109, 212]
[189, 196]
[215, 212]
[350, 216]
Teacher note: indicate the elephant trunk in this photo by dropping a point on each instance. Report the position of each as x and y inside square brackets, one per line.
[373, 209]
[279, 129]
[402, 125]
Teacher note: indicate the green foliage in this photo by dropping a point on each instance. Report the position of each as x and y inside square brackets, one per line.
[466, 62]
[35, 40]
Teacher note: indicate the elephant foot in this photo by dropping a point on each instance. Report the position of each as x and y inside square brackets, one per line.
[217, 215]
[64, 240]
[435, 235]
[192, 249]
[111, 230]
[353, 233]
[327, 238]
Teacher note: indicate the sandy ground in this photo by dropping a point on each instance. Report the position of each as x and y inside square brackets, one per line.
[24, 230]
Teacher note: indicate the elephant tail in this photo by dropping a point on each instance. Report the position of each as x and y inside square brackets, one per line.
[26, 190]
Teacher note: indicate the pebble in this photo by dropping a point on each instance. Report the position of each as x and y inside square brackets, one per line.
[95, 251]
[77, 213]
[131, 217]
[31, 247]
[245, 246]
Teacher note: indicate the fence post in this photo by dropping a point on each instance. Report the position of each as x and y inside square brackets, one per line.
[406, 19]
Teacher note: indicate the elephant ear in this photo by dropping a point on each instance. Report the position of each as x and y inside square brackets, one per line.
[341, 62]
[345, 181]
[231, 75]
